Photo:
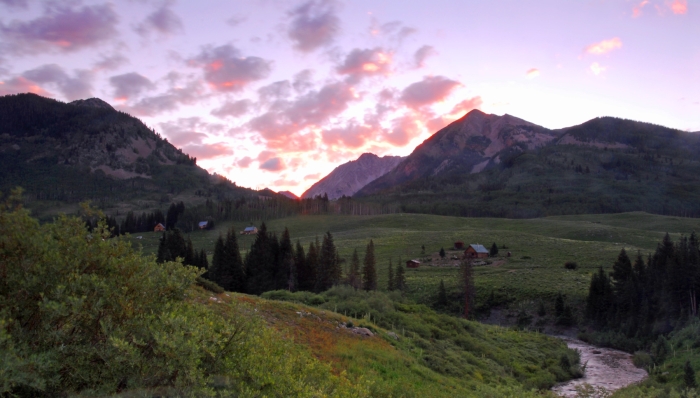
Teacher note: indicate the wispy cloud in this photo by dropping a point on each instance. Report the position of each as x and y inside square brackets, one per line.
[532, 73]
[597, 69]
[604, 46]
[679, 6]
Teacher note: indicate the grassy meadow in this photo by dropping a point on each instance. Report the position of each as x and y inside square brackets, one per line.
[539, 248]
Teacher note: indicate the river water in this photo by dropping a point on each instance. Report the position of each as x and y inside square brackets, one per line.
[605, 367]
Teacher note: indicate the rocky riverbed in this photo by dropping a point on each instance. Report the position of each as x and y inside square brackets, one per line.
[605, 367]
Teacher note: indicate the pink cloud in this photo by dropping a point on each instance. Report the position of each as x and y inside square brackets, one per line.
[244, 162]
[63, 29]
[273, 164]
[404, 129]
[77, 87]
[226, 70]
[314, 24]
[679, 6]
[637, 10]
[233, 109]
[597, 69]
[532, 73]
[457, 112]
[168, 101]
[359, 64]
[312, 176]
[207, 151]
[352, 135]
[604, 46]
[21, 85]
[428, 91]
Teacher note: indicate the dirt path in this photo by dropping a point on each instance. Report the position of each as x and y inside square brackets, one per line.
[605, 367]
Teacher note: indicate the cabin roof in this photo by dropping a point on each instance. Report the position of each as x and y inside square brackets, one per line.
[479, 248]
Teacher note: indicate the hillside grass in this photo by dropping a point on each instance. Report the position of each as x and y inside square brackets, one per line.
[535, 271]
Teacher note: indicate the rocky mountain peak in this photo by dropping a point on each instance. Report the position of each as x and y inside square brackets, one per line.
[92, 103]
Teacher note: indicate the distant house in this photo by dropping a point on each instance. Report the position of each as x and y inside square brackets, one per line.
[203, 224]
[412, 264]
[476, 251]
[459, 245]
[159, 228]
[249, 231]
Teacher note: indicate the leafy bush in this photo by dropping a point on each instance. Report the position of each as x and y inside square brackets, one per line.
[570, 265]
[209, 285]
[83, 313]
[642, 359]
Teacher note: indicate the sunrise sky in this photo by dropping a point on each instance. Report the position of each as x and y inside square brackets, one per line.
[278, 93]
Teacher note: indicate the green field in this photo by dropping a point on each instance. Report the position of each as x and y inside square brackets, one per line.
[539, 247]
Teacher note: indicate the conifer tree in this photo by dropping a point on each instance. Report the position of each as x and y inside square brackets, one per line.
[354, 278]
[689, 375]
[308, 283]
[369, 269]
[261, 262]
[390, 284]
[217, 261]
[301, 267]
[400, 278]
[442, 295]
[442, 252]
[287, 272]
[231, 271]
[468, 287]
[494, 250]
[327, 267]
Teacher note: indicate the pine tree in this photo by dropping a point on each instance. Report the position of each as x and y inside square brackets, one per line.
[287, 278]
[301, 267]
[327, 267]
[400, 278]
[442, 295]
[354, 278]
[468, 287]
[217, 262]
[308, 282]
[494, 250]
[260, 262]
[442, 253]
[689, 375]
[231, 272]
[390, 284]
[369, 269]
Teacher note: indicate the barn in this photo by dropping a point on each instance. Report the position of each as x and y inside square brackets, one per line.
[159, 228]
[412, 264]
[476, 251]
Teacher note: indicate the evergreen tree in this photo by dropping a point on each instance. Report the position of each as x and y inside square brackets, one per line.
[689, 375]
[442, 295]
[203, 262]
[301, 267]
[327, 266]
[494, 250]
[217, 262]
[287, 275]
[442, 252]
[308, 283]
[261, 262]
[468, 287]
[390, 284]
[189, 258]
[400, 278]
[369, 269]
[230, 273]
[354, 278]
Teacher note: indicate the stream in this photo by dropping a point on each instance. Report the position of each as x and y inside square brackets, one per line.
[605, 367]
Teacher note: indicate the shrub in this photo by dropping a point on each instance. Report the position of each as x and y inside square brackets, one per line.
[209, 285]
[570, 265]
[642, 359]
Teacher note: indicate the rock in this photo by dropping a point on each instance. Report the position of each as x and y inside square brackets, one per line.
[363, 332]
[394, 335]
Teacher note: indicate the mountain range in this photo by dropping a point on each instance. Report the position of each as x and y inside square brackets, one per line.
[65, 153]
[349, 177]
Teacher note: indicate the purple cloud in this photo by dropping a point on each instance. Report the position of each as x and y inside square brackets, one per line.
[15, 3]
[314, 24]
[166, 102]
[245, 162]
[275, 91]
[184, 131]
[427, 91]
[163, 20]
[63, 28]
[274, 164]
[72, 88]
[129, 85]
[111, 62]
[359, 64]
[233, 109]
[422, 54]
[226, 70]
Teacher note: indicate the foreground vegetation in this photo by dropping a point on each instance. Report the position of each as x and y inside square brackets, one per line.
[82, 313]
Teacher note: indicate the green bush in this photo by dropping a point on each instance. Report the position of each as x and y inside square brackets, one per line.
[642, 359]
[83, 313]
[209, 285]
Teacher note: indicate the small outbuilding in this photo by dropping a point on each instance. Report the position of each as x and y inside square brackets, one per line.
[459, 245]
[476, 251]
[249, 231]
[159, 228]
[203, 224]
[412, 264]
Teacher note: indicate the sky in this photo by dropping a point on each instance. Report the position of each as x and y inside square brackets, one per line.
[277, 93]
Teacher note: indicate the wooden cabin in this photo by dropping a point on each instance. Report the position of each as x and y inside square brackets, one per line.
[159, 228]
[459, 245]
[412, 264]
[249, 231]
[476, 251]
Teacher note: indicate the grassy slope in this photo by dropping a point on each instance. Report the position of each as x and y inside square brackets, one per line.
[497, 363]
[590, 240]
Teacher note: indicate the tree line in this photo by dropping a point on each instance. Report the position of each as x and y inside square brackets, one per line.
[274, 263]
[646, 298]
